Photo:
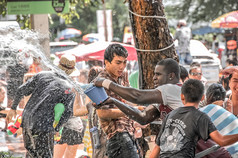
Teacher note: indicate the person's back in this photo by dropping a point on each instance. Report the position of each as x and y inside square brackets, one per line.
[183, 35]
[184, 127]
[184, 39]
[47, 89]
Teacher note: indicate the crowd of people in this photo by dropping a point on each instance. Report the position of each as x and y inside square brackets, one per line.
[57, 120]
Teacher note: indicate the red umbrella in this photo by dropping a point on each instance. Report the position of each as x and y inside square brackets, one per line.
[228, 20]
[95, 51]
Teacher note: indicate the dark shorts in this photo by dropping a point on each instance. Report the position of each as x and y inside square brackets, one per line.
[122, 145]
[70, 137]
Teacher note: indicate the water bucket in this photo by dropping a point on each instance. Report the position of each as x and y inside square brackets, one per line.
[96, 94]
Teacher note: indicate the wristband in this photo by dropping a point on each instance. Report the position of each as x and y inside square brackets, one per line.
[106, 83]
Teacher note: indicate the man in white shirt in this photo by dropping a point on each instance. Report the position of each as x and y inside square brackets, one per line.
[166, 95]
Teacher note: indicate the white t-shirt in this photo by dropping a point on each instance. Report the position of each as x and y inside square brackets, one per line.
[171, 95]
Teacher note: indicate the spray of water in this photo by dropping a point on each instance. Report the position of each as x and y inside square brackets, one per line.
[18, 45]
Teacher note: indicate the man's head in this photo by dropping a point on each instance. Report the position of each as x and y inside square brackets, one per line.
[181, 23]
[230, 62]
[195, 73]
[83, 77]
[192, 91]
[195, 64]
[2, 94]
[115, 58]
[166, 71]
[215, 92]
[183, 74]
[233, 83]
[214, 37]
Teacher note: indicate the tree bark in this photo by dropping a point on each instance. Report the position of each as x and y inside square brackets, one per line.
[150, 34]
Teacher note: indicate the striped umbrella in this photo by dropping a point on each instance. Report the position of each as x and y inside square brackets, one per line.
[228, 20]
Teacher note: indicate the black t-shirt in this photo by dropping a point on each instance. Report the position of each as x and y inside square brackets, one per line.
[181, 130]
[46, 89]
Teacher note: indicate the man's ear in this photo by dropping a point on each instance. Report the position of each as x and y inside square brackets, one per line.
[183, 98]
[203, 97]
[106, 62]
[172, 75]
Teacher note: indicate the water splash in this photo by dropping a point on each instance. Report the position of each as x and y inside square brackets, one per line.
[20, 46]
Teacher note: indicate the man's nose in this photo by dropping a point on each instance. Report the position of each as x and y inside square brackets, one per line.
[154, 78]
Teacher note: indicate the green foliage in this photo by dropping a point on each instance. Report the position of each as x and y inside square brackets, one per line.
[200, 10]
[3, 7]
[120, 17]
[87, 20]
[72, 12]
[6, 154]
[24, 20]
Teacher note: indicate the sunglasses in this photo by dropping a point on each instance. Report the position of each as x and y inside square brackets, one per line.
[196, 74]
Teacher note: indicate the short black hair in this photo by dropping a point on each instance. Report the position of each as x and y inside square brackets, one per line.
[171, 66]
[115, 49]
[192, 90]
[230, 76]
[183, 73]
[195, 64]
[225, 82]
[215, 92]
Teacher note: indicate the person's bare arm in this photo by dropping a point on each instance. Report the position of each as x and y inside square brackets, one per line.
[113, 113]
[223, 140]
[79, 108]
[155, 152]
[108, 114]
[133, 95]
[143, 117]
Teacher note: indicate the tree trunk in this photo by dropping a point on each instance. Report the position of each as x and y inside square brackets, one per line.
[150, 34]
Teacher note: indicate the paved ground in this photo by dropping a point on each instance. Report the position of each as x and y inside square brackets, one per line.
[12, 145]
[16, 147]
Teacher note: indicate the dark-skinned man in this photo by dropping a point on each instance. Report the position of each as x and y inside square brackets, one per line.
[166, 95]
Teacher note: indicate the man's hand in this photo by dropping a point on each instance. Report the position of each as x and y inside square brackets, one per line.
[12, 113]
[98, 82]
[230, 70]
[106, 102]
[19, 132]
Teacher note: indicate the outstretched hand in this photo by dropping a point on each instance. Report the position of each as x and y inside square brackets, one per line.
[98, 82]
[109, 100]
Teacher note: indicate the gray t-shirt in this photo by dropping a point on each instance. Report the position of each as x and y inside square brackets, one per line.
[171, 95]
